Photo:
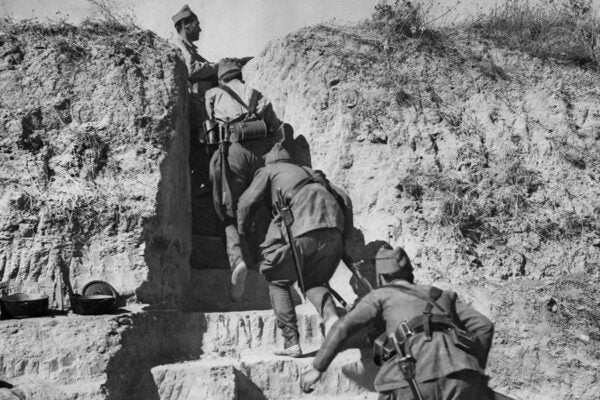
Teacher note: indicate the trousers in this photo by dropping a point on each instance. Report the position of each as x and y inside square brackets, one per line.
[320, 252]
[243, 160]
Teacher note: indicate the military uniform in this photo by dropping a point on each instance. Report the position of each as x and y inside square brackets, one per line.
[222, 107]
[243, 159]
[317, 228]
[443, 371]
[202, 75]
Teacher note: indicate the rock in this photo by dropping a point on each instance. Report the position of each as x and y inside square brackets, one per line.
[377, 137]
[583, 337]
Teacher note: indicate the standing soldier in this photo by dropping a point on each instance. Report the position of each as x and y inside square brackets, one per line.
[247, 127]
[434, 346]
[202, 75]
[309, 250]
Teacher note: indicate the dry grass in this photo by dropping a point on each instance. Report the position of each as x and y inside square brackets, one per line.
[562, 29]
[477, 208]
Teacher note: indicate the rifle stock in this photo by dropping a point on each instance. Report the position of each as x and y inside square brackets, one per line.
[353, 267]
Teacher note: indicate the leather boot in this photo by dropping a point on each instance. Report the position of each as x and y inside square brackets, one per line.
[292, 351]
[238, 282]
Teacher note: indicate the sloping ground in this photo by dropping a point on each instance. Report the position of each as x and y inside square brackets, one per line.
[484, 163]
[93, 160]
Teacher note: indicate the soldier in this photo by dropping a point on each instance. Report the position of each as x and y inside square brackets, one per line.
[449, 340]
[318, 224]
[202, 75]
[237, 107]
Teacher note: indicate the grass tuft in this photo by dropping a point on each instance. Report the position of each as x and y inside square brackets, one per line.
[562, 29]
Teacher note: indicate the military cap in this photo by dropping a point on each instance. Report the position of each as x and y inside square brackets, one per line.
[277, 153]
[228, 68]
[184, 13]
[387, 261]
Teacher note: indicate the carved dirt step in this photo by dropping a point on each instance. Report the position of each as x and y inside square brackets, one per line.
[264, 376]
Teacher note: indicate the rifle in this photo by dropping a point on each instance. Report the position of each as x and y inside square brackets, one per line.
[285, 212]
[406, 363]
[224, 166]
[353, 267]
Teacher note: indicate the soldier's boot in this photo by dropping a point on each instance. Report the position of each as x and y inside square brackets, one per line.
[291, 349]
[238, 282]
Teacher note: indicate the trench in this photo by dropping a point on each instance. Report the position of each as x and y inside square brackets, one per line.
[187, 263]
[188, 268]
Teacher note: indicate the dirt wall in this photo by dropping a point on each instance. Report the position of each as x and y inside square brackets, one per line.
[93, 171]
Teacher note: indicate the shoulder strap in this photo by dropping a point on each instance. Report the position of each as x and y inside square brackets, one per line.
[235, 96]
[426, 316]
[434, 293]
[422, 296]
[325, 183]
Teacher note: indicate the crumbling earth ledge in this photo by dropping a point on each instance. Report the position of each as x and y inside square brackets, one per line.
[94, 171]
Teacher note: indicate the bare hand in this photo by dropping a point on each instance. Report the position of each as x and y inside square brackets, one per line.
[309, 379]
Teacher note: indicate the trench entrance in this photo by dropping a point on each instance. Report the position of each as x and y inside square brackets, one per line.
[208, 247]
[209, 265]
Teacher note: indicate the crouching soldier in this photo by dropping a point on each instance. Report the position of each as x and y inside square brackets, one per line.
[316, 240]
[434, 346]
[244, 125]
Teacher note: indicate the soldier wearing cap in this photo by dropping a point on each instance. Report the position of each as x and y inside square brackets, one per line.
[449, 340]
[318, 225]
[202, 75]
[232, 102]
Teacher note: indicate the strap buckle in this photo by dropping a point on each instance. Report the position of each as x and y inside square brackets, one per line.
[404, 330]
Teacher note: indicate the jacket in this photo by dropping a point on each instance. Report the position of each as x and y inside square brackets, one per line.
[202, 76]
[312, 206]
[434, 359]
[222, 107]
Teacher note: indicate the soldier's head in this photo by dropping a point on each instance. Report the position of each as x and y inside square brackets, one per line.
[277, 154]
[393, 264]
[229, 71]
[187, 24]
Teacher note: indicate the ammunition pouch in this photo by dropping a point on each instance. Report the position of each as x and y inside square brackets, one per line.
[466, 341]
[210, 132]
[215, 132]
[383, 349]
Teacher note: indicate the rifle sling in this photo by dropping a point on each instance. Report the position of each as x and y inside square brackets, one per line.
[251, 109]
[235, 96]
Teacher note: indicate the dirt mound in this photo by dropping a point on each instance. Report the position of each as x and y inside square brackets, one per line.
[92, 119]
[484, 163]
